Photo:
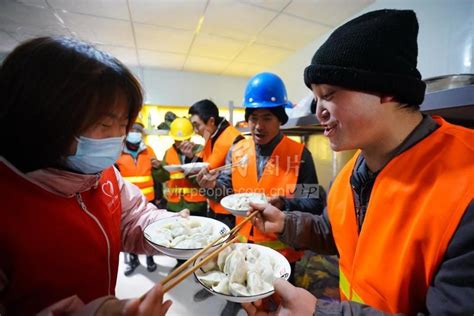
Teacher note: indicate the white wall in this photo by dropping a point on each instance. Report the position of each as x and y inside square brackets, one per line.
[170, 87]
[445, 41]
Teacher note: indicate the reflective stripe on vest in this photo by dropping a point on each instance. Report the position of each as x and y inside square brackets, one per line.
[138, 171]
[181, 190]
[139, 179]
[179, 186]
[177, 175]
[148, 190]
[345, 288]
[416, 204]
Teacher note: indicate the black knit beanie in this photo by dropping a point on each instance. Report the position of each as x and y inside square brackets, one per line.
[375, 52]
[278, 111]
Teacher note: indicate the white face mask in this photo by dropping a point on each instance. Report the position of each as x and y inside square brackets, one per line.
[134, 137]
[94, 155]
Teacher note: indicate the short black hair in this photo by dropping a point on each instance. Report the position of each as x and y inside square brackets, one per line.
[278, 111]
[205, 109]
[54, 88]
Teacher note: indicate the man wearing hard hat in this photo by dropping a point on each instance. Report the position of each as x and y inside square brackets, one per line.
[135, 165]
[180, 191]
[276, 165]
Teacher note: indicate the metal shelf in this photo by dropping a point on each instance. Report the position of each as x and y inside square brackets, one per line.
[455, 105]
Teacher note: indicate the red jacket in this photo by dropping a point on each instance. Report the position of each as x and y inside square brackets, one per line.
[55, 247]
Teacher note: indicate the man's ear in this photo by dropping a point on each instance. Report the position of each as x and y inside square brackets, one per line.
[212, 120]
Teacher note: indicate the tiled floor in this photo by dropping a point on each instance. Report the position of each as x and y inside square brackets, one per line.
[182, 295]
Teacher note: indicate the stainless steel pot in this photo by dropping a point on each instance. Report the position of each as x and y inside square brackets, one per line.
[448, 82]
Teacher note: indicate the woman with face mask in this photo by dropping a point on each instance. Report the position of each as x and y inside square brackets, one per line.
[69, 107]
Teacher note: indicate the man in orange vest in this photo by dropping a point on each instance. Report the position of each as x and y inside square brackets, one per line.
[400, 214]
[135, 166]
[219, 136]
[181, 192]
[276, 165]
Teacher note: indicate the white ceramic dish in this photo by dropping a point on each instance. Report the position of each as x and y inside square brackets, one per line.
[194, 167]
[151, 235]
[238, 204]
[281, 269]
[173, 168]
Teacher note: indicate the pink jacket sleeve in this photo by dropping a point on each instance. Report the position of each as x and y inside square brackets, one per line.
[137, 213]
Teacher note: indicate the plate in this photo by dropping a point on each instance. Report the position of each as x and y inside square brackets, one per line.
[281, 269]
[194, 167]
[173, 168]
[238, 204]
[153, 237]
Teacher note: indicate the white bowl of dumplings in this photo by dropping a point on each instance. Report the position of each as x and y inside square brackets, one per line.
[181, 238]
[239, 204]
[243, 272]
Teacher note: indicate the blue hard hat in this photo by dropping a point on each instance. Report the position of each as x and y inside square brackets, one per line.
[265, 90]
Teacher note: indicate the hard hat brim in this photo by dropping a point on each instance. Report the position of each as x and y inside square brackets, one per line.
[262, 105]
[181, 137]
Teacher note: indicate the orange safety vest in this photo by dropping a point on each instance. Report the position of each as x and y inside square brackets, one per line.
[139, 172]
[216, 157]
[178, 186]
[279, 177]
[43, 235]
[416, 204]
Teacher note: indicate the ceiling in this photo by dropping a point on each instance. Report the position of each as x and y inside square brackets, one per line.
[225, 37]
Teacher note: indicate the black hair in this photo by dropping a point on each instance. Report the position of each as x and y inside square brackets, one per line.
[278, 111]
[54, 88]
[205, 109]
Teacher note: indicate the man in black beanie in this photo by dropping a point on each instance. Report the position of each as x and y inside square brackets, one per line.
[400, 214]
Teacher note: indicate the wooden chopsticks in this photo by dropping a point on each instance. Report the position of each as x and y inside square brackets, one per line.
[168, 286]
[172, 275]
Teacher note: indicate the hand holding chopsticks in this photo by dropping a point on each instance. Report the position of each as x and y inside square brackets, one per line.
[233, 237]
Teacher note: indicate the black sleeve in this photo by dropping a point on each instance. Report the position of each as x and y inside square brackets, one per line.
[452, 289]
[309, 195]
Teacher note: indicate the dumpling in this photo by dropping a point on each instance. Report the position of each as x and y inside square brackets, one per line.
[252, 255]
[210, 265]
[199, 239]
[160, 240]
[212, 278]
[222, 257]
[237, 289]
[256, 285]
[179, 231]
[264, 270]
[223, 286]
[177, 240]
[235, 267]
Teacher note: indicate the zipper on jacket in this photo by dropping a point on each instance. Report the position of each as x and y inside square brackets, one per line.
[84, 208]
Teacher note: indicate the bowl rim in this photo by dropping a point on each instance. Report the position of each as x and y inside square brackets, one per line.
[240, 296]
[228, 197]
[177, 217]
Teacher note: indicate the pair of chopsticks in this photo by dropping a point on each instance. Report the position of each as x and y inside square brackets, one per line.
[167, 285]
[241, 162]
